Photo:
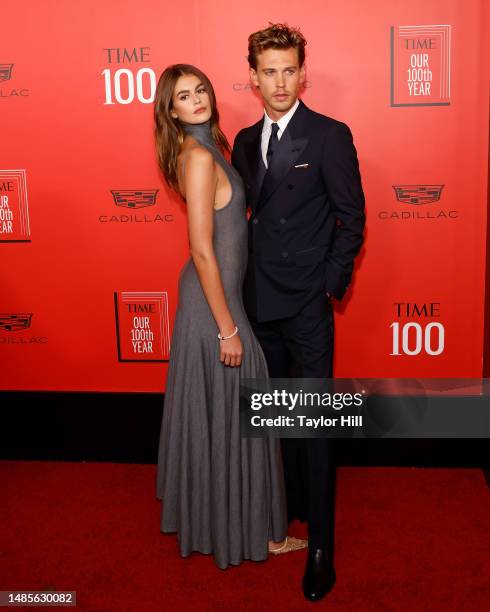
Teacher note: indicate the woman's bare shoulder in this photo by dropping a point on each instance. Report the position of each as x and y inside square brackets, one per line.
[196, 164]
[196, 154]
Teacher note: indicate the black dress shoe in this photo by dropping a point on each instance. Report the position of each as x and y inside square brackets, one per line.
[319, 575]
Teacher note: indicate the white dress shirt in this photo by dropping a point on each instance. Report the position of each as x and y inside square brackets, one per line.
[281, 123]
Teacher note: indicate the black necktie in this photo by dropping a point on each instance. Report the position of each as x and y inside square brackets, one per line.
[273, 143]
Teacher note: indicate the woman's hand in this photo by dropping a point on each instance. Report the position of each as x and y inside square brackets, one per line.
[231, 351]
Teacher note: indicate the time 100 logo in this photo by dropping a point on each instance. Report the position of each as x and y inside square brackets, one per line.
[124, 86]
[414, 337]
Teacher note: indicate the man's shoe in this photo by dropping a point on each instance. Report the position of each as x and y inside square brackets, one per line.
[319, 575]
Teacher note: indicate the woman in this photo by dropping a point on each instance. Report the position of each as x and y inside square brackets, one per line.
[223, 494]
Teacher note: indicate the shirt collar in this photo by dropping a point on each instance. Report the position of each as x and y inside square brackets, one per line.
[283, 121]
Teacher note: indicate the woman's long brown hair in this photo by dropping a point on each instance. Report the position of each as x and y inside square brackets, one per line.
[169, 134]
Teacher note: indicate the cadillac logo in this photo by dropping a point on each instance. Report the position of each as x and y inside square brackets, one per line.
[135, 199]
[15, 322]
[418, 194]
[6, 72]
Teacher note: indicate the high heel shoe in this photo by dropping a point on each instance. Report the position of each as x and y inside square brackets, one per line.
[290, 545]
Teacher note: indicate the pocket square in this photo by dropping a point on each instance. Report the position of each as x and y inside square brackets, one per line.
[302, 166]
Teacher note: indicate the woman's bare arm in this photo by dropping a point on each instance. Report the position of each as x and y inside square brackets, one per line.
[200, 182]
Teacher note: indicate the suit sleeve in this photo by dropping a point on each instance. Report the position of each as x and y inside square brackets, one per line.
[235, 151]
[340, 170]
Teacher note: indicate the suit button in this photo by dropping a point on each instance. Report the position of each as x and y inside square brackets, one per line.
[290, 186]
[284, 254]
[282, 220]
[255, 221]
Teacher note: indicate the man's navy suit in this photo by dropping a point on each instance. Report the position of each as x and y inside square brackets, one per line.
[305, 229]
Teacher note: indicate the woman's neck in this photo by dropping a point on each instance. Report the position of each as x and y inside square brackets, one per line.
[200, 131]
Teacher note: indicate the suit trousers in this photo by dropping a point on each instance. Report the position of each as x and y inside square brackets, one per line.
[302, 347]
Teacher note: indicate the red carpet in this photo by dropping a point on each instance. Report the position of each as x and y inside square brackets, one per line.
[407, 539]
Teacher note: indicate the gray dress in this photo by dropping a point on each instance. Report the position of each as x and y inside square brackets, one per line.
[222, 494]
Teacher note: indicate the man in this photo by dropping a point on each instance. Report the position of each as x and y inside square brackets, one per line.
[304, 190]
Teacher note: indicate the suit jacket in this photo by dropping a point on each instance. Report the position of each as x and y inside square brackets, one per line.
[307, 213]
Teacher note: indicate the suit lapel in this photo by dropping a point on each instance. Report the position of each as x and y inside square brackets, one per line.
[288, 152]
[291, 145]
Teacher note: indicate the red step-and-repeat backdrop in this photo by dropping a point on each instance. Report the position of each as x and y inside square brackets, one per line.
[92, 241]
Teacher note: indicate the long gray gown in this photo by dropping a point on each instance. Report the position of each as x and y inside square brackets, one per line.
[223, 494]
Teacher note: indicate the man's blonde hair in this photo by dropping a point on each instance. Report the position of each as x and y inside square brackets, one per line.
[276, 36]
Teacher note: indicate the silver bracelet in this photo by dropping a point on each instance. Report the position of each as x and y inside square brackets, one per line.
[230, 336]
